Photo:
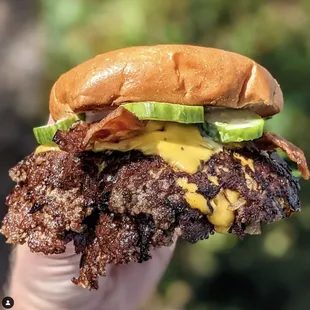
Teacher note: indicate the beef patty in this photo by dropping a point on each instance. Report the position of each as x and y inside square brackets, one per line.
[116, 206]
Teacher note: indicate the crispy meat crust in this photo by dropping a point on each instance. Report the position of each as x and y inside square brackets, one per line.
[118, 214]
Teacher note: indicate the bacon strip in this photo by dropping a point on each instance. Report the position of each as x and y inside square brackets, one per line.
[271, 140]
[72, 141]
[116, 126]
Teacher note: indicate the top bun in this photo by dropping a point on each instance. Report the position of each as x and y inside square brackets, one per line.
[182, 74]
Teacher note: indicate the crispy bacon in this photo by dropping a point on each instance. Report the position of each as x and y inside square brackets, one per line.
[72, 141]
[117, 125]
[271, 140]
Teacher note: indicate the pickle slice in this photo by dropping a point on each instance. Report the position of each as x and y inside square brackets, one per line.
[45, 134]
[227, 125]
[162, 111]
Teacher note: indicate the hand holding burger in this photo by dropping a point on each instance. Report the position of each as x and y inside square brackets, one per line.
[38, 281]
[150, 144]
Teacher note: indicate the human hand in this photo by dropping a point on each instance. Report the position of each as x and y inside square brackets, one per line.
[39, 281]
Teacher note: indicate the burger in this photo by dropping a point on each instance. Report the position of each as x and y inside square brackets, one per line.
[149, 144]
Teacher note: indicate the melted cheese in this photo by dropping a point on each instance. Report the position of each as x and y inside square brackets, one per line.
[245, 162]
[46, 148]
[195, 200]
[250, 182]
[179, 145]
[223, 217]
[213, 179]
[191, 187]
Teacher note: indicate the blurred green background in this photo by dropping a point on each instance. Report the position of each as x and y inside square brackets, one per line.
[271, 271]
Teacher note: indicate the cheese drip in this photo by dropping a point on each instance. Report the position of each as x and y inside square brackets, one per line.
[223, 216]
[195, 200]
[245, 161]
[213, 179]
[181, 146]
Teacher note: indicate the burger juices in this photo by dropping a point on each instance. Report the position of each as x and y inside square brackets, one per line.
[150, 144]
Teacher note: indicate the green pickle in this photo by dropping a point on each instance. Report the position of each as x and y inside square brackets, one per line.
[222, 125]
[45, 134]
[228, 125]
[161, 111]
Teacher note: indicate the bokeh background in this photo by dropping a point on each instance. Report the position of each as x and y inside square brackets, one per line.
[39, 40]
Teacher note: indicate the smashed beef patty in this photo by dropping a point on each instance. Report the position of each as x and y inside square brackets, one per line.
[116, 207]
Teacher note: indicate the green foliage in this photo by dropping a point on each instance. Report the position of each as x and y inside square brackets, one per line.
[270, 271]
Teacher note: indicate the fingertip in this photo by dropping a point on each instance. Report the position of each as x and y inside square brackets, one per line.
[50, 120]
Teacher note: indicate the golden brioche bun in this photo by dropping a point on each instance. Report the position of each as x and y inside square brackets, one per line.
[182, 74]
